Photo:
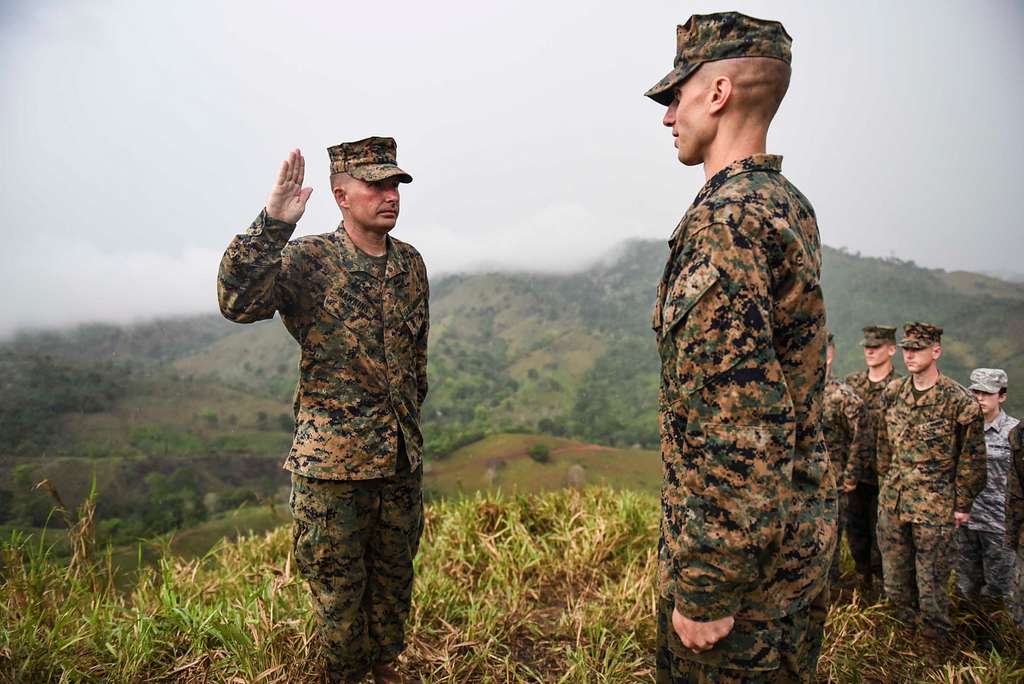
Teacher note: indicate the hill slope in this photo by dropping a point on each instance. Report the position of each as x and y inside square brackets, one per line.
[555, 587]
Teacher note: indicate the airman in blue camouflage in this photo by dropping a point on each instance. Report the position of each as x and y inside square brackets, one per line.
[355, 300]
[748, 524]
[931, 466]
[984, 571]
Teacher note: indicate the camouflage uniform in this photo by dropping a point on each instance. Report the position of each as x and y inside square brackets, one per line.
[986, 562]
[862, 503]
[1015, 521]
[931, 462]
[844, 418]
[748, 501]
[361, 325]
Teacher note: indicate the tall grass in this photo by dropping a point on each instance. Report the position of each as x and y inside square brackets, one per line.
[557, 587]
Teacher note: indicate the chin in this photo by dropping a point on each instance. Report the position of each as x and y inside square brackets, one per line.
[689, 159]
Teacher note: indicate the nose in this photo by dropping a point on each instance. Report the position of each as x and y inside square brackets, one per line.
[670, 116]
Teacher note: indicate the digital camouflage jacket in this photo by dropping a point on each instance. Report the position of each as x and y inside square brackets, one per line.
[1015, 491]
[354, 394]
[844, 423]
[871, 394]
[931, 451]
[748, 501]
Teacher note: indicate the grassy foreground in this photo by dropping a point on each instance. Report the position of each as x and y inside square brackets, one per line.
[556, 587]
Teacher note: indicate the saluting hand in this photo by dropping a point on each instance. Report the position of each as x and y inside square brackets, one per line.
[287, 199]
[700, 636]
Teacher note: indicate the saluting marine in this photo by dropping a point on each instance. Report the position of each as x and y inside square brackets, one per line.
[931, 466]
[355, 300]
[748, 524]
[879, 345]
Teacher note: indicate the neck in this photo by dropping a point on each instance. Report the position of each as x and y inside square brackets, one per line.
[926, 379]
[991, 417]
[371, 242]
[877, 373]
[726, 149]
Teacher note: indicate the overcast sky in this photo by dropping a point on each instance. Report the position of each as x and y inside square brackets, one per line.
[139, 137]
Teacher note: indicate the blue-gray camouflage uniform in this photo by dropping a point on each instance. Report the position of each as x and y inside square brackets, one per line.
[986, 562]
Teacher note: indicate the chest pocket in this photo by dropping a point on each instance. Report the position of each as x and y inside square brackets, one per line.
[350, 309]
[934, 432]
[414, 316]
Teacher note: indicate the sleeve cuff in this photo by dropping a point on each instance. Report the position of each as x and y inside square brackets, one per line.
[705, 604]
[272, 227]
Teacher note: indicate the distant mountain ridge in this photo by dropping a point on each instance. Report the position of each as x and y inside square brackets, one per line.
[568, 355]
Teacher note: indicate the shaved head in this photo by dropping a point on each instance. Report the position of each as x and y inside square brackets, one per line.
[758, 84]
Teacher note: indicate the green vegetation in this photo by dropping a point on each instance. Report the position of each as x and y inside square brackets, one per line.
[556, 587]
[539, 453]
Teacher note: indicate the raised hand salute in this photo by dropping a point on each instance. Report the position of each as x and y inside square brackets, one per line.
[287, 199]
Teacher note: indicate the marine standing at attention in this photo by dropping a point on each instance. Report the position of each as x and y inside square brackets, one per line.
[355, 300]
[843, 424]
[1015, 522]
[879, 345]
[748, 524]
[931, 466]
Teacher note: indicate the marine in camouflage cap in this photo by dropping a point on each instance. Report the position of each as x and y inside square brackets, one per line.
[713, 37]
[877, 335]
[931, 467]
[744, 550]
[879, 344]
[920, 336]
[356, 301]
[370, 159]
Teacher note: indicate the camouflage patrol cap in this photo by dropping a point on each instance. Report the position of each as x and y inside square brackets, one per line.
[988, 380]
[370, 159]
[713, 37]
[920, 335]
[877, 335]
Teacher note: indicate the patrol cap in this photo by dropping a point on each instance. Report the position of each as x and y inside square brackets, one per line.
[877, 335]
[988, 380]
[370, 159]
[713, 37]
[920, 335]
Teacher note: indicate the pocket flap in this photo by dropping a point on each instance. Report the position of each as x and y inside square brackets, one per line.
[687, 290]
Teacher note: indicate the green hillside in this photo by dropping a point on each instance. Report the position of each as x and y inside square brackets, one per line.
[189, 402]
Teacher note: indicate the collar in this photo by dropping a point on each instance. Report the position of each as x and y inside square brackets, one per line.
[931, 395]
[998, 423]
[352, 263]
[771, 163]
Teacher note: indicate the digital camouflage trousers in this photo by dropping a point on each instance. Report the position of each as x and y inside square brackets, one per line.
[862, 529]
[354, 542]
[917, 560]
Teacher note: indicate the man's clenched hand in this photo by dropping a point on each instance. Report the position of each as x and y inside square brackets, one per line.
[287, 199]
[700, 636]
